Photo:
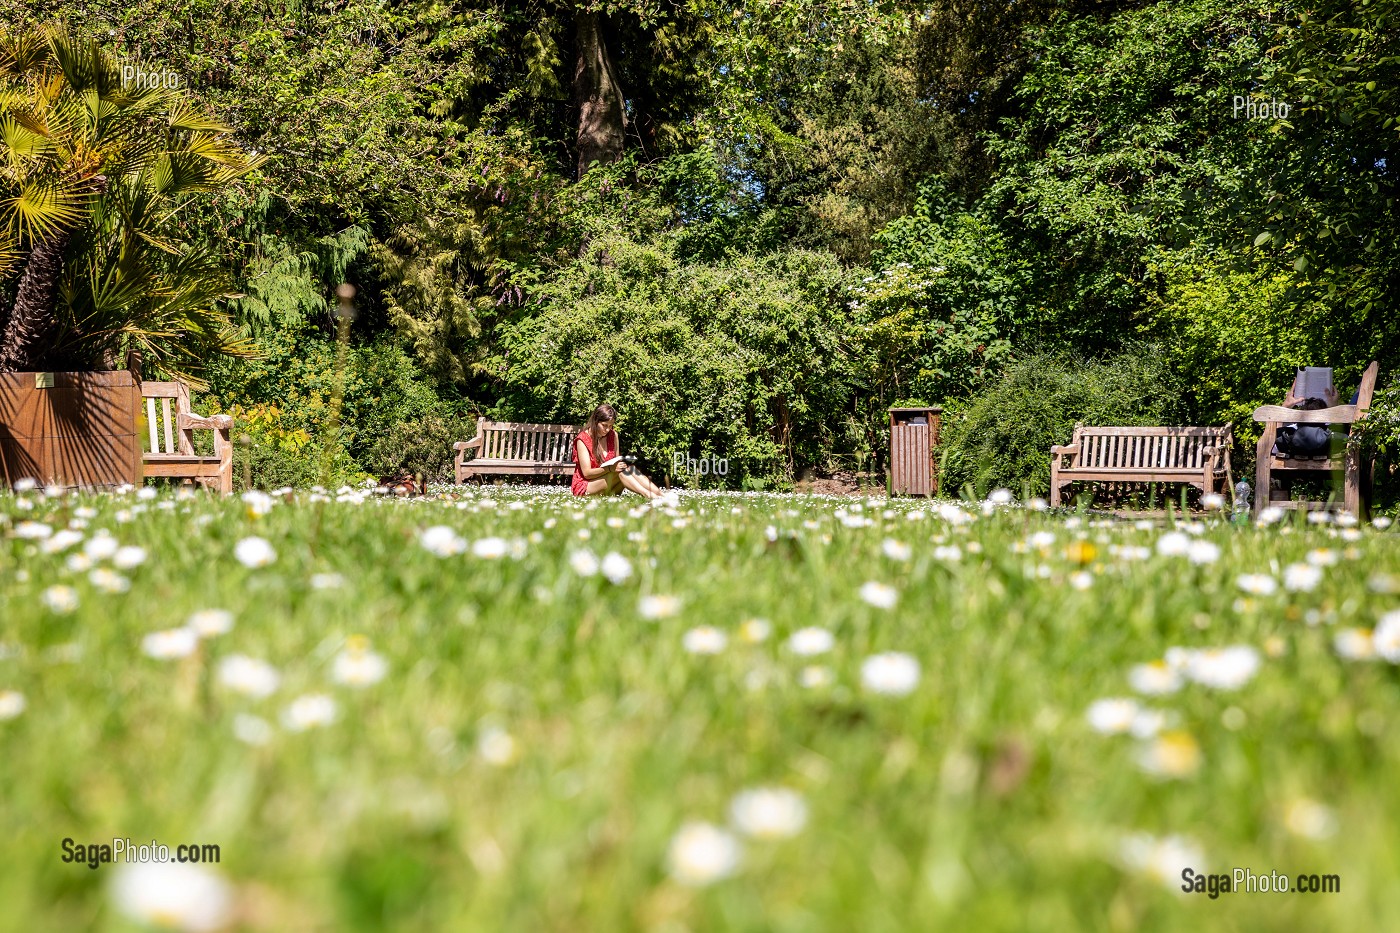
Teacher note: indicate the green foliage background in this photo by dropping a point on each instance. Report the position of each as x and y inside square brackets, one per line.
[822, 209]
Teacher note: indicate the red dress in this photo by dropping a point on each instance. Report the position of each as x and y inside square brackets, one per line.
[579, 487]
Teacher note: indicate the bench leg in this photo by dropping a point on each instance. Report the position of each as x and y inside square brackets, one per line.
[1263, 452]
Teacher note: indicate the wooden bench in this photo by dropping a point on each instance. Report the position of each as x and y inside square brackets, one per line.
[515, 448]
[175, 425]
[1199, 457]
[1350, 465]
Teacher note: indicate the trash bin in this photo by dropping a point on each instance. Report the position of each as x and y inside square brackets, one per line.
[913, 439]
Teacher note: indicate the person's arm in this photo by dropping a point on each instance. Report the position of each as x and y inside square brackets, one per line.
[585, 462]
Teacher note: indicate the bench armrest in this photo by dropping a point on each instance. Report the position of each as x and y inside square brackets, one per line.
[1063, 449]
[188, 421]
[468, 445]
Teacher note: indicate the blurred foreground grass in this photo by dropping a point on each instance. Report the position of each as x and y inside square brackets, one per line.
[541, 734]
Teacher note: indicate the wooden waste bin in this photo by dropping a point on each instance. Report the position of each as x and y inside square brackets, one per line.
[913, 440]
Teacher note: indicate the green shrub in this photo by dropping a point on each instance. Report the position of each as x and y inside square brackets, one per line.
[748, 359]
[1003, 437]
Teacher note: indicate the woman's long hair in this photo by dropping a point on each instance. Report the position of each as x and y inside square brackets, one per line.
[604, 412]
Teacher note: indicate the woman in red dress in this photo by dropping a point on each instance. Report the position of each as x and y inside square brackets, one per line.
[596, 444]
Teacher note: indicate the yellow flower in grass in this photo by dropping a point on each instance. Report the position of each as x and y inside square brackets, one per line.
[1081, 552]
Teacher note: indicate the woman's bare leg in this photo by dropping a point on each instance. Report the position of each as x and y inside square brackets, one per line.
[638, 484]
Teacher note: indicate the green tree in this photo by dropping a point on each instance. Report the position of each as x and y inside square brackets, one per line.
[95, 174]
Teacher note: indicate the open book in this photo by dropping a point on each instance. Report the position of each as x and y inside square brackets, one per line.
[1314, 381]
[612, 460]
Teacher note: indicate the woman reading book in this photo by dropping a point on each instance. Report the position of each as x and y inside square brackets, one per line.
[598, 468]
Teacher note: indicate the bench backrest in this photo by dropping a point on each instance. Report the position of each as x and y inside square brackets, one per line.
[1148, 448]
[511, 440]
[165, 401]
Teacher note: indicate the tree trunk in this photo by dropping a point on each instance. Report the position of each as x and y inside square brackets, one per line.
[601, 120]
[30, 332]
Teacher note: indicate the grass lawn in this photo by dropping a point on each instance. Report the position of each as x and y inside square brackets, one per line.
[511, 710]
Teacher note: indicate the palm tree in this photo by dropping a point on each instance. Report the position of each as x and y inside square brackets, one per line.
[94, 175]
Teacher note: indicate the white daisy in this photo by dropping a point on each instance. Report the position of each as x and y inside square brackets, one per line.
[173, 896]
[1257, 584]
[768, 812]
[879, 595]
[658, 607]
[1301, 578]
[108, 581]
[254, 552]
[249, 676]
[809, 641]
[1202, 552]
[357, 666]
[616, 568]
[210, 622]
[815, 677]
[490, 548]
[584, 563]
[327, 581]
[1170, 755]
[101, 546]
[701, 854]
[1354, 644]
[1154, 678]
[1386, 637]
[1163, 859]
[704, 640]
[1309, 819]
[252, 730]
[309, 712]
[1112, 715]
[60, 599]
[754, 631]
[892, 673]
[171, 643]
[497, 747]
[12, 703]
[32, 531]
[62, 540]
[1173, 544]
[128, 557]
[1223, 668]
[441, 541]
[896, 550]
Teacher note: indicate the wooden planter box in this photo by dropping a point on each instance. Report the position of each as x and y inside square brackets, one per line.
[73, 429]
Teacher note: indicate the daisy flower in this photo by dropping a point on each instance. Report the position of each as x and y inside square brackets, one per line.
[892, 673]
[704, 640]
[879, 595]
[701, 854]
[768, 812]
[254, 552]
[173, 896]
[810, 641]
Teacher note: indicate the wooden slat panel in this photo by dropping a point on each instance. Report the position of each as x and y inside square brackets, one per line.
[167, 420]
[151, 425]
